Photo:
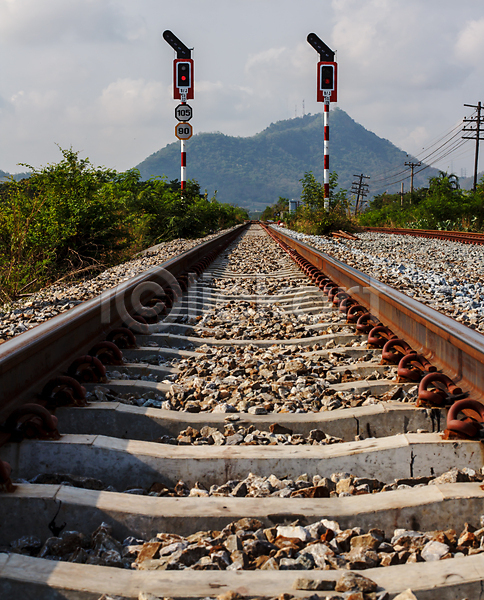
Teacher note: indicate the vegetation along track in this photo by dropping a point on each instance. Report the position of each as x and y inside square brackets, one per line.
[251, 406]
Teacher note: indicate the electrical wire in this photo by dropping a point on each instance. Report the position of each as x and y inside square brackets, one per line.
[427, 158]
[443, 136]
[458, 145]
[430, 158]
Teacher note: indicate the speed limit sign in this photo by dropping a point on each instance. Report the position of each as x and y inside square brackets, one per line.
[183, 112]
[183, 131]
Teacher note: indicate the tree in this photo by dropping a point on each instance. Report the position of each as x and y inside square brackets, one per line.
[441, 205]
[312, 217]
[72, 217]
[313, 193]
[275, 211]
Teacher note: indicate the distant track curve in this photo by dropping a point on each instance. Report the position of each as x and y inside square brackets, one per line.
[464, 237]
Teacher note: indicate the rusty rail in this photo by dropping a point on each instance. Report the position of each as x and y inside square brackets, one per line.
[452, 347]
[30, 360]
[464, 237]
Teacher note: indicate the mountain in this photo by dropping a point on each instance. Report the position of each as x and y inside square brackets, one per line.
[4, 176]
[467, 183]
[254, 171]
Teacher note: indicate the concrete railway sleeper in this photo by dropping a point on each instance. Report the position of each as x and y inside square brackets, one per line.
[324, 454]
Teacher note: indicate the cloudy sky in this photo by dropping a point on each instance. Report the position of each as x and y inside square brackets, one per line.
[96, 75]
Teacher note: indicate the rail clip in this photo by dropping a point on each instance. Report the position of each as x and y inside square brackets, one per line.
[379, 336]
[413, 367]
[6, 484]
[87, 369]
[31, 421]
[64, 390]
[468, 427]
[394, 350]
[444, 389]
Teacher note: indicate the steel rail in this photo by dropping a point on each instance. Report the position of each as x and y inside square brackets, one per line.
[465, 237]
[30, 360]
[449, 345]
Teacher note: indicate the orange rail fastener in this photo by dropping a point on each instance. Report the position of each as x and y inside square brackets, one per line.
[469, 426]
[440, 393]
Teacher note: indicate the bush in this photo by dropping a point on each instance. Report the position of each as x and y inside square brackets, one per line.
[440, 206]
[312, 217]
[71, 217]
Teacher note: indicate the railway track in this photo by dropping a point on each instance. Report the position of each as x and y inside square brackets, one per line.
[266, 414]
[464, 237]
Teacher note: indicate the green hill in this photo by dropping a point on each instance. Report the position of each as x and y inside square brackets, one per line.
[254, 171]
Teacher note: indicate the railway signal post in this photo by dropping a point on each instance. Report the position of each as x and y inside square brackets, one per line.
[327, 79]
[183, 90]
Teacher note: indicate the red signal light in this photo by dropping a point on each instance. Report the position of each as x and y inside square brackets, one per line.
[327, 81]
[183, 78]
[183, 71]
[327, 77]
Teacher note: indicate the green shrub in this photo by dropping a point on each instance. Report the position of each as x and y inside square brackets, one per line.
[71, 217]
[312, 217]
[443, 205]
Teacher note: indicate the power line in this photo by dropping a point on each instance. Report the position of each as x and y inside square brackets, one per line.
[425, 158]
[457, 126]
[447, 144]
[437, 155]
[426, 166]
[448, 151]
[422, 157]
[391, 176]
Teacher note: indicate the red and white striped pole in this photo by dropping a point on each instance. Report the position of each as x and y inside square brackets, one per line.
[183, 177]
[183, 90]
[326, 151]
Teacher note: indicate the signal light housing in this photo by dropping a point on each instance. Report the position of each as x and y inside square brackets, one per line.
[183, 78]
[183, 75]
[327, 81]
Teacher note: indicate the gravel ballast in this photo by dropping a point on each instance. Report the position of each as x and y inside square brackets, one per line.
[33, 309]
[444, 275]
[247, 545]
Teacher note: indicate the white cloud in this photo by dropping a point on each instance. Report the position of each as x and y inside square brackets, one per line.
[400, 73]
[389, 45]
[281, 76]
[470, 43]
[132, 101]
[5, 106]
[30, 22]
[96, 74]
[265, 59]
[35, 100]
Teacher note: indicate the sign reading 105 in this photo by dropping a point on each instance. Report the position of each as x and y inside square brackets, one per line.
[183, 112]
[183, 131]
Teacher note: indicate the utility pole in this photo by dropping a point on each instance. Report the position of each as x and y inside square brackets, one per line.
[478, 121]
[360, 189]
[412, 166]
